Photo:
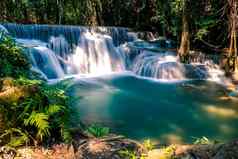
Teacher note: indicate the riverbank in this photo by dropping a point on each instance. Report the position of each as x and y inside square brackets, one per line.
[117, 147]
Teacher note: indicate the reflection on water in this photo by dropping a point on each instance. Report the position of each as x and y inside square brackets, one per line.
[167, 112]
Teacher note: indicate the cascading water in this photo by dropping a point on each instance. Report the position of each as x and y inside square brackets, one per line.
[161, 66]
[150, 61]
[58, 51]
[96, 54]
[166, 66]
[66, 50]
[3, 29]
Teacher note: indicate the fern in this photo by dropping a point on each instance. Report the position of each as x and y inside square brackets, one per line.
[39, 114]
[17, 137]
[40, 121]
[66, 134]
[53, 109]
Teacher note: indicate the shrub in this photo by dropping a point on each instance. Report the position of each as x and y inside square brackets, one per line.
[31, 112]
[41, 115]
[13, 62]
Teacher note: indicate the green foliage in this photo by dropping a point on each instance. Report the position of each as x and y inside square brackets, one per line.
[18, 137]
[205, 25]
[97, 131]
[41, 112]
[130, 154]
[148, 145]
[40, 121]
[27, 82]
[127, 154]
[169, 152]
[206, 18]
[13, 62]
[37, 118]
[202, 141]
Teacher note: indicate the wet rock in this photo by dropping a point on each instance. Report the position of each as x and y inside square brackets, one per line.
[7, 153]
[157, 154]
[108, 148]
[227, 151]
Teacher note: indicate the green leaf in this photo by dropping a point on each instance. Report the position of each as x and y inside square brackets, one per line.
[17, 137]
[40, 121]
[53, 109]
[98, 131]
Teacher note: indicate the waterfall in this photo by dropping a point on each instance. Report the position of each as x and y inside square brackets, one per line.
[58, 51]
[96, 54]
[3, 29]
[72, 34]
[166, 66]
[43, 59]
[161, 66]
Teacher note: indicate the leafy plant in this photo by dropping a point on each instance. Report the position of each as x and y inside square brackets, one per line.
[39, 112]
[169, 152]
[97, 131]
[128, 154]
[203, 141]
[41, 115]
[13, 62]
[148, 145]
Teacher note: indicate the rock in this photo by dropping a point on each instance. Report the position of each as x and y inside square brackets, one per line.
[216, 151]
[106, 148]
[157, 154]
[7, 153]
[11, 93]
[227, 151]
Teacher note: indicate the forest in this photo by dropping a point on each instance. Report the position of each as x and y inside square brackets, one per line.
[211, 24]
[118, 79]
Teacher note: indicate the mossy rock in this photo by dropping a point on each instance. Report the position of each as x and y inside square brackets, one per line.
[12, 93]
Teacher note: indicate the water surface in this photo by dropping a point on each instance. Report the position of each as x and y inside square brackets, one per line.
[141, 108]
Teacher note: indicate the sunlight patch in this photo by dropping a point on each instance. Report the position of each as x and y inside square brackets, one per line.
[221, 112]
[226, 129]
[172, 138]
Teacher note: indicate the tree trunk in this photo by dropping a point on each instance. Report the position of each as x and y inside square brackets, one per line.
[232, 53]
[2, 125]
[60, 11]
[185, 37]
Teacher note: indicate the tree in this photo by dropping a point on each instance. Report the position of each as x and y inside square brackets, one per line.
[185, 37]
[232, 17]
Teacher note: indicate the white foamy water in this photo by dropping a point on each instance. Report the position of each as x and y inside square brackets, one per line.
[166, 66]
[58, 52]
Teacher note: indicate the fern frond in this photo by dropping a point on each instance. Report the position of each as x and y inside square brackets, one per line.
[16, 137]
[53, 109]
[66, 135]
[40, 121]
